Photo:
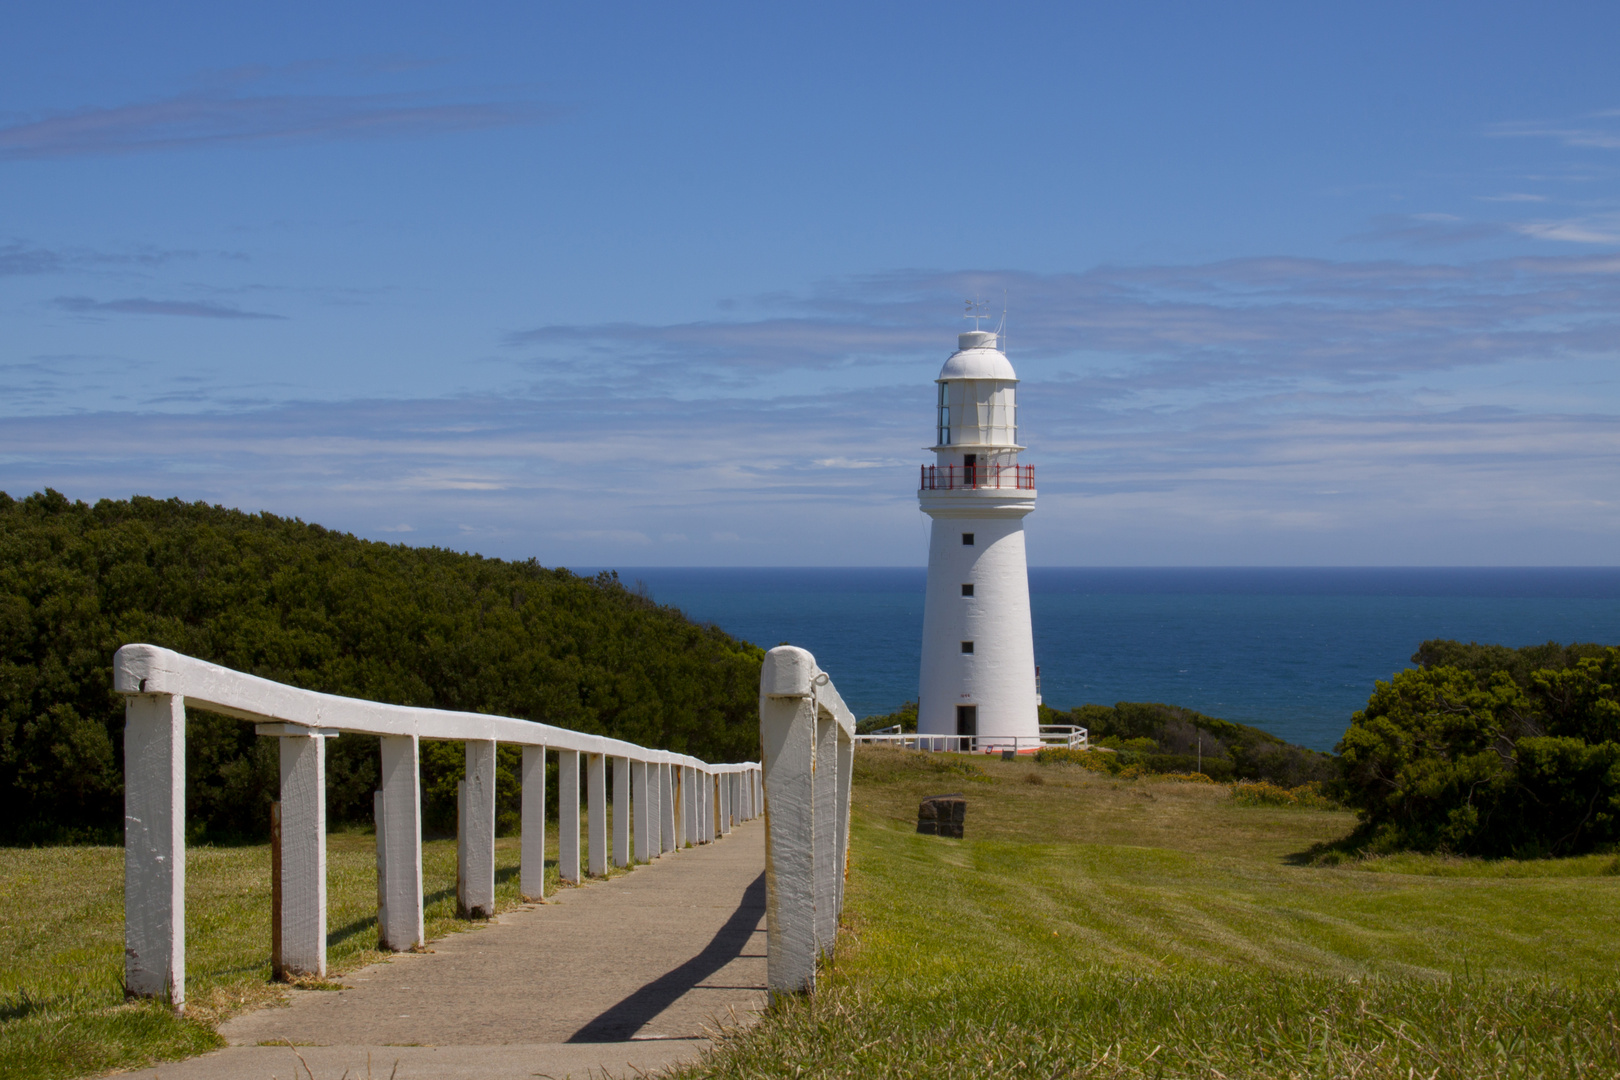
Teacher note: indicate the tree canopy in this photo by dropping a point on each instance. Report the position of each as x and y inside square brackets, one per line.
[324, 610]
[1485, 750]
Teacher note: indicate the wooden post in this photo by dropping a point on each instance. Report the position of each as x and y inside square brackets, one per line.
[666, 806]
[846, 775]
[596, 810]
[621, 811]
[278, 968]
[825, 784]
[475, 834]
[681, 805]
[656, 779]
[399, 846]
[568, 815]
[302, 821]
[787, 730]
[689, 802]
[640, 811]
[155, 847]
[532, 874]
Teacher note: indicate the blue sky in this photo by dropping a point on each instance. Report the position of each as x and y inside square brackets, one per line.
[668, 285]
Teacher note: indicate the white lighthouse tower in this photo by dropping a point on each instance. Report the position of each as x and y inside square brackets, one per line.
[978, 654]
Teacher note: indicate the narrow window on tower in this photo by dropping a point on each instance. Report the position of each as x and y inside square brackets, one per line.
[967, 646]
[967, 590]
[967, 539]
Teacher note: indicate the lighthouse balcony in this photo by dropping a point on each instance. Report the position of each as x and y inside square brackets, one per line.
[977, 477]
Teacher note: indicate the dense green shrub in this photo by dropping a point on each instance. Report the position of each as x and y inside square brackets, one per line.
[1482, 753]
[324, 610]
[905, 716]
[1171, 739]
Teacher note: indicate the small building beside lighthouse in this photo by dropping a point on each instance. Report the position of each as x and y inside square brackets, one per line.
[978, 653]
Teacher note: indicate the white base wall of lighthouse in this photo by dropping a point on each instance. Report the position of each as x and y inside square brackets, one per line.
[998, 677]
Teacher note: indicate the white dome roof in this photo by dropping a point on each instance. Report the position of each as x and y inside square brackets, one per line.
[977, 358]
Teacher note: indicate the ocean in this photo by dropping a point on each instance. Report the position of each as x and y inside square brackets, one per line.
[1292, 650]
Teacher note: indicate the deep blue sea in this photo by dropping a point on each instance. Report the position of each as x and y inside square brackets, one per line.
[1294, 651]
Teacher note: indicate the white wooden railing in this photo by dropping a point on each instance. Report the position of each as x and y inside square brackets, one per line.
[1064, 735]
[675, 800]
[807, 753]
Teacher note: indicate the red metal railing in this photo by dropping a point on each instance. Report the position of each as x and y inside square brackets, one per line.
[958, 477]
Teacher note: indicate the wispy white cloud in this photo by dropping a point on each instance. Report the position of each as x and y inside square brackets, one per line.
[217, 117]
[1592, 229]
[195, 309]
[1268, 409]
[1594, 131]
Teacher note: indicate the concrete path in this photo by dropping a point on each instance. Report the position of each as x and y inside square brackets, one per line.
[617, 978]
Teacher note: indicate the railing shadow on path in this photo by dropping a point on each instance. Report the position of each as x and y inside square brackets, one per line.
[623, 1020]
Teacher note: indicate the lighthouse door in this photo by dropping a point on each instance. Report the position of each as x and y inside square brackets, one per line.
[970, 469]
[967, 720]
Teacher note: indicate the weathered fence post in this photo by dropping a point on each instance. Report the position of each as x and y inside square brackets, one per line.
[666, 806]
[568, 815]
[596, 810]
[688, 806]
[532, 871]
[807, 735]
[155, 847]
[678, 790]
[475, 833]
[656, 779]
[638, 800]
[825, 783]
[300, 868]
[787, 731]
[621, 811]
[399, 846]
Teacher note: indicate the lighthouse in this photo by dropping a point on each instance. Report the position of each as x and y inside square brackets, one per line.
[978, 654]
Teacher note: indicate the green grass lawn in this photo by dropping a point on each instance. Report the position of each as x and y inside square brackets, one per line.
[1095, 927]
[62, 1011]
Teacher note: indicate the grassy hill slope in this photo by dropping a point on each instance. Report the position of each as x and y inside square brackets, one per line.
[1095, 927]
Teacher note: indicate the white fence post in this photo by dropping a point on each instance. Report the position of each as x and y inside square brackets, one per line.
[475, 833]
[846, 777]
[621, 811]
[596, 813]
[656, 779]
[828, 871]
[532, 873]
[638, 800]
[302, 751]
[399, 846]
[666, 806]
[155, 847]
[806, 735]
[787, 731]
[688, 807]
[568, 815]
[678, 804]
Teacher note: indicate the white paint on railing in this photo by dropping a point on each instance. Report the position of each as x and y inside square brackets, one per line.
[158, 685]
[1061, 735]
[807, 756]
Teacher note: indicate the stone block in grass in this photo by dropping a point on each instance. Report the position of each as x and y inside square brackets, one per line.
[942, 815]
